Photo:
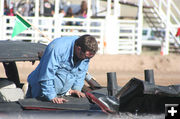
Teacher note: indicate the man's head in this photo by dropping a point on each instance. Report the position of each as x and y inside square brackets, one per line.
[86, 47]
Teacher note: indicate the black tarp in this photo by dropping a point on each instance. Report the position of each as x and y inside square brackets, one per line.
[74, 103]
[143, 97]
[20, 51]
[13, 51]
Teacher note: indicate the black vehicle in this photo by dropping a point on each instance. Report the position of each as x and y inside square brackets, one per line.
[137, 99]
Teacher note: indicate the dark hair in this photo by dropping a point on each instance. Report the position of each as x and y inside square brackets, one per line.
[87, 43]
[69, 12]
[83, 7]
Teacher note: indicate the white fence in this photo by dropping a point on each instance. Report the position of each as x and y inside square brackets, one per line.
[54, 27]
[128, 36]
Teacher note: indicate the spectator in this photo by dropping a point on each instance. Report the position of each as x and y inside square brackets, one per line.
[48, 9]
[11, 8]
[82, 13]
[62, 13]
[69, 14]
[32, 7]
[6, 8]
[26, 8]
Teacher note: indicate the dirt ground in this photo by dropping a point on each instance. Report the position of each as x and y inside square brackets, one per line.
[166, 68]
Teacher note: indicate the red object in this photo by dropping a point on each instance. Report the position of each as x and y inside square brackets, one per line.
[103, 107]
[178, 32]
[39, 108]
[162, 53]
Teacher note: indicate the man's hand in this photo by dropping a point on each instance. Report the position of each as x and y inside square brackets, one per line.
[58, 100]
[78, 93]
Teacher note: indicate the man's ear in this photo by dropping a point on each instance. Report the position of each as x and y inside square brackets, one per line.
[76, 47]
[79, 48]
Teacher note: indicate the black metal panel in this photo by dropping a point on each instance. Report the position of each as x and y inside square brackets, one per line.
[20, 51]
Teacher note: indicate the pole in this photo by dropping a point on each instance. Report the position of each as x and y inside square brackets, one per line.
[57, 19]
[166, 44]
[117, 9]
[112, 85]
[108, 7]
[1, 19]
[2, 7]
[149, 76]
[35, 27]
[140, 25]
[35, 21]
[37, 8]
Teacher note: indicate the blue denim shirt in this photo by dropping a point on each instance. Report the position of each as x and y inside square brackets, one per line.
[56, 72]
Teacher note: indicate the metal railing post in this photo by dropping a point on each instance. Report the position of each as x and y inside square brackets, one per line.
[1, 19]
[140, 25]
[160, 5]
[36, 34]
[57, 19]
[166, 44]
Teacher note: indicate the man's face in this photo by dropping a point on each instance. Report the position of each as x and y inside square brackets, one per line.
[83, 55]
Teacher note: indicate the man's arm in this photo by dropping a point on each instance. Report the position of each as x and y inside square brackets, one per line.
[48, 67]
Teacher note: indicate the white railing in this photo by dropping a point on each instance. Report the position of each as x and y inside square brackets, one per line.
[128, 36]
[56, 27]
[168, 12]
[52, 29]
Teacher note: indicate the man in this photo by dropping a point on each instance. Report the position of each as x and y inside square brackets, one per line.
[62, 68]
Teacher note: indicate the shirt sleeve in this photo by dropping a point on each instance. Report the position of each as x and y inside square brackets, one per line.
[49, 65]
[48, 90]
